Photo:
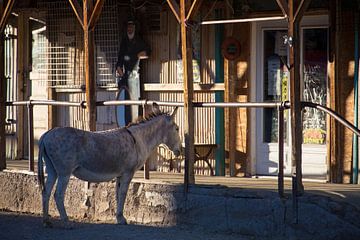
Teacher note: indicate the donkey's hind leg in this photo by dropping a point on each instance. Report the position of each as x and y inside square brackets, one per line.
[122, 185]
[50, 181]
[59, 198]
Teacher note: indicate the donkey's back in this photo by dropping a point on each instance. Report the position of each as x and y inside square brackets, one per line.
[90, 156]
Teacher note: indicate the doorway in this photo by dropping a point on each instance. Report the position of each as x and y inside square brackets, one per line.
[272, 85]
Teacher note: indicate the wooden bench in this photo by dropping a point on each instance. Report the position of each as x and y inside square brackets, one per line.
[208, 149]
[203, 152]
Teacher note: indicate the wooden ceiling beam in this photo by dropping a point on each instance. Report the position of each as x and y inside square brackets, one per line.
[78, 12]
[174, 8]
[5, 14]
[194, 8]
[283, 6]
[95, 14]
[303, 6]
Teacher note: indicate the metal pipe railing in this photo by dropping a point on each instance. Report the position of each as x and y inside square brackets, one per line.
[281, 106]
[333, 114]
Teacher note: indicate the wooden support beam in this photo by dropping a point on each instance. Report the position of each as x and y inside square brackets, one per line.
[283, 6]
[331, 134]
[88, 18]
[96, 13]
[194, 9]
[90, 80]
[5, 12]
[23, 80]
[295, 93]
[303, 6]
[174, 8]
[78, 12]
[2, 104]
[186, 50]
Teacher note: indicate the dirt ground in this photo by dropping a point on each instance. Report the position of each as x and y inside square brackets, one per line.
[14, 226]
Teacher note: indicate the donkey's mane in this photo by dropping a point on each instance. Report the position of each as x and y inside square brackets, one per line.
[147, 118]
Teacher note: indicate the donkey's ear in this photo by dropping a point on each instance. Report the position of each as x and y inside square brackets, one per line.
[172, 115]
[155, 108]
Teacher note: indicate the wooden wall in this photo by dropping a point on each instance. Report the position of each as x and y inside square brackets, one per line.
[341, 166]
[237, 73]
[162, 68]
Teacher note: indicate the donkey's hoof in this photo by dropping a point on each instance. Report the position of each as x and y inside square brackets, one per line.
[121, 220]
[47, 224]
[67, 225]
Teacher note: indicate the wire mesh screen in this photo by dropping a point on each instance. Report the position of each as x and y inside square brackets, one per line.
[63, 49]
[62, 54]
[107, 39]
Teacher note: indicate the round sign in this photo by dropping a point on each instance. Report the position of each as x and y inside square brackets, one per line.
[230, 48]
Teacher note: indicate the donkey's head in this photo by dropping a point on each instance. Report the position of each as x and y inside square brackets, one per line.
[171, 132]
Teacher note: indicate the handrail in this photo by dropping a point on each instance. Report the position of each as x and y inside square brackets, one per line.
[150, 102]
[333, 114]
[281, 106]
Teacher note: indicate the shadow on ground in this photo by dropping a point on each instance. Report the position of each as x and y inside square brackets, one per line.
[16, 226]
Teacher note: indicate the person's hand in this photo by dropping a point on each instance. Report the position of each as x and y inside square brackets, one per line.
[119, 72]
[142, 55]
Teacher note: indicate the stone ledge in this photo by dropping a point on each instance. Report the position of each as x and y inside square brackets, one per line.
[214, 208]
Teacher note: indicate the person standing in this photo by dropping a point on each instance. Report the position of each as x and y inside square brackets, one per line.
[132, 49]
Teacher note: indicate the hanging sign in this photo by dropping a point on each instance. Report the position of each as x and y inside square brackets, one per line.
[230, 48]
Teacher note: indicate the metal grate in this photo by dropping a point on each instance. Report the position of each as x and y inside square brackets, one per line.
[61, 51]
[107, 41]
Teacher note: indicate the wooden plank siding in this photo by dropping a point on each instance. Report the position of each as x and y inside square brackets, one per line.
[345, 83]
[64, 47]
[165, 52]
[242, 31]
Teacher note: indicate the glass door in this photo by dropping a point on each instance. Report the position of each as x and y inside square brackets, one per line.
[273, 86]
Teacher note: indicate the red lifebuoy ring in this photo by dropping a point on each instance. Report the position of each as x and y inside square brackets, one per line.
[230, 48]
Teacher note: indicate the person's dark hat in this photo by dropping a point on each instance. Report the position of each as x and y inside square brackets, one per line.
[130, 21]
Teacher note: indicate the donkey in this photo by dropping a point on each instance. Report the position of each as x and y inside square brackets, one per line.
[101, 156]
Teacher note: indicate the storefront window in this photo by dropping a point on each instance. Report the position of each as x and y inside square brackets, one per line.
[275, 79]
[314, 84]
[314, 79]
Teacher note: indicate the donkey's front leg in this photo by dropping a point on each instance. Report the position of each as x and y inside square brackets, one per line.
[122, 185]
[59, 199]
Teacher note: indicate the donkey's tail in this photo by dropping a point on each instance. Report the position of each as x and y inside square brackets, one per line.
[41, 156]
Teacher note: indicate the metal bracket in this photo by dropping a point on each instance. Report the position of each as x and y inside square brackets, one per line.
[288, 40]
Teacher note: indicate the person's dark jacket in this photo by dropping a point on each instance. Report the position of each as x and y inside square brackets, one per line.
[131, 48]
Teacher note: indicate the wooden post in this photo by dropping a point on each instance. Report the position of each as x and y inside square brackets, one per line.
[30, 117]
[295, 108]
[24, 85]
[5, 12]
[186, 50]
[295, 93]
[2, 104]
[87, 19]
[90, 80]
[332, 133]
